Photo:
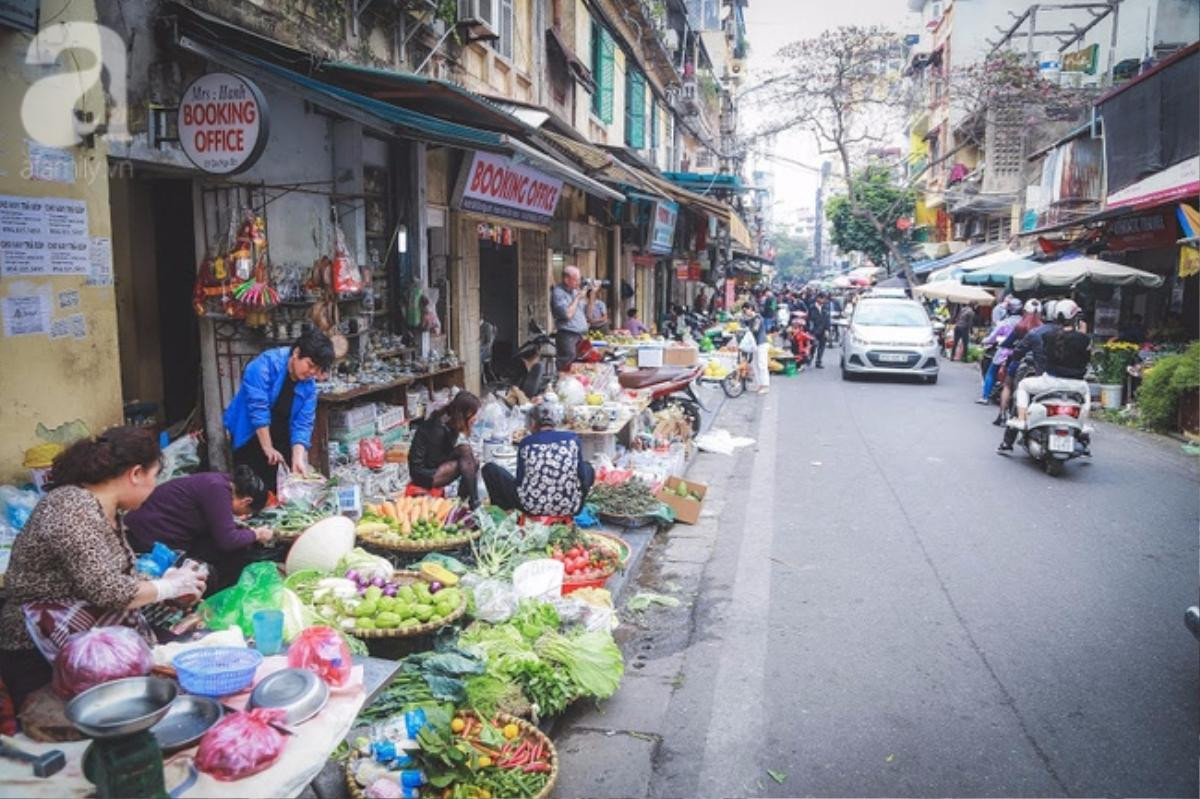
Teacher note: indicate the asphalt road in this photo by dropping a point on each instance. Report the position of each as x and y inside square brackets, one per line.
[890, 608]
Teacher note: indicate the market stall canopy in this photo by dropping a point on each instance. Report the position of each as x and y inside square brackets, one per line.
[897, 281]
[1000, 274]
[973, 251]
[865, 273]
[1075, 272]
[953, 291]
[842, 282]
[704, 184]
[740, 233]
[992, 259]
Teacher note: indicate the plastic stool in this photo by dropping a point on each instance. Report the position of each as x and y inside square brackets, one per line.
[412, 490]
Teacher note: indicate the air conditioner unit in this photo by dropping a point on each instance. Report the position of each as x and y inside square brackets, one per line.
[479, 14]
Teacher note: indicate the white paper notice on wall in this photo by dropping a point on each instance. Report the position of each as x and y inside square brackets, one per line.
[26, 315]
[60, 328]
[68, 299]
[43, 236]
[49, 163]
[78, 325]
[100, 270]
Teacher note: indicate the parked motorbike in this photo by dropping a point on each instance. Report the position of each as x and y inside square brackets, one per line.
[1053, 431]
[669, 385]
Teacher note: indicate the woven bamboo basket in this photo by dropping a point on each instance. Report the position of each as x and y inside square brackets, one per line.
[403, 578]
[526, 728]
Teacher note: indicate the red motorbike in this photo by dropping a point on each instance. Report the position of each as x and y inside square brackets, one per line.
[668, 385]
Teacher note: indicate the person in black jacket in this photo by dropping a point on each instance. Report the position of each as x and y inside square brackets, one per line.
[436, 458]
[819, 322]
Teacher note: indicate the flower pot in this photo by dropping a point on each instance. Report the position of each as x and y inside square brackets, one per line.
[1112, 396]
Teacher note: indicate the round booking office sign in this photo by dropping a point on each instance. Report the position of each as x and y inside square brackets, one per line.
[223, 123]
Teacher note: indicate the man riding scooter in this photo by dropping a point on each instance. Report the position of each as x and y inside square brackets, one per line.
[1060, 354]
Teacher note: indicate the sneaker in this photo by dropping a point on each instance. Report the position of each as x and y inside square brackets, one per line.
[998, 421]
[819, 366]
[1004, 447]
[981, 401]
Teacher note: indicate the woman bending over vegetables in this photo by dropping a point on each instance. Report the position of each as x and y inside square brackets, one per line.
[71, 567]
[436, 458]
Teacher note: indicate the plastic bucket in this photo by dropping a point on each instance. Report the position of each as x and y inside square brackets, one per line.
[1112, 396]
[789, 369]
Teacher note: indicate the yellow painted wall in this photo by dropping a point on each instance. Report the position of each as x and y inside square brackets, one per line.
[66, 379]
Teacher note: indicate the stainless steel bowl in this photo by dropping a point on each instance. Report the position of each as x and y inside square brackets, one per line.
[298, 692]
[122, 707]
[188, 718]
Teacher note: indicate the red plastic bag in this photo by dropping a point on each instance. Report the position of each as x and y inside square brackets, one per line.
[100, 655]
[346, 277]
[370, 453]
[323, 651]
[241, 744]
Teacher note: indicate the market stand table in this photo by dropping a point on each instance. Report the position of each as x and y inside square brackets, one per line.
[303, 758]
[392, 392]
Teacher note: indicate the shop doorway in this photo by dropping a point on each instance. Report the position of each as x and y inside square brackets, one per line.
[154, 265]
[498, 304]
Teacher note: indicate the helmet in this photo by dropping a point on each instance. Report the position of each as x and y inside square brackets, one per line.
[1048, 309]
[1033, 306]
[1013, 304]
[1066, 310]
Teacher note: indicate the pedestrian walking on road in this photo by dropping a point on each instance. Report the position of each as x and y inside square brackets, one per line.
[962, 330]
[819, 322]
[757, 328]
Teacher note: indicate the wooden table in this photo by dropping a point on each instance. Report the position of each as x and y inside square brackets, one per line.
[393, 392]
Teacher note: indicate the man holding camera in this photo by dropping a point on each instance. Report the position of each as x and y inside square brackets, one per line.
[568, 305]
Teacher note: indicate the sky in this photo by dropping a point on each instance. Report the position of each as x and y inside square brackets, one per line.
[771, 24]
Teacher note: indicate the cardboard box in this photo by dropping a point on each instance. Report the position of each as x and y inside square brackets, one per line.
[681, 356]
[649, 357]
[687, 510]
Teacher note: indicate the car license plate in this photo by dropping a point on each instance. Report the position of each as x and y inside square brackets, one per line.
[1062, 443]
[893, 357]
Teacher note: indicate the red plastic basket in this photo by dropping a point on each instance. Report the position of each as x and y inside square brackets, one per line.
[576, 585]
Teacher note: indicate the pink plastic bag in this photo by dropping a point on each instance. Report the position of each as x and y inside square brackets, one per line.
[323, 651]
[370, 453]
[100, 655]
[241, 744]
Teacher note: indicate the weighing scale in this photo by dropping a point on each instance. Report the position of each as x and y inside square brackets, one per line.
[125, 767]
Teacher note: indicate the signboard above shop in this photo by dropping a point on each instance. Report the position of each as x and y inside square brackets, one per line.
[496, 185]
[661, 230]
[223, 123]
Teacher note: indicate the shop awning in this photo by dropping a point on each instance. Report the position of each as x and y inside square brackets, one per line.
[972, 251]
[375, 114]
[1074, 272]
[704, 184]
[740, 233]
[539, 160]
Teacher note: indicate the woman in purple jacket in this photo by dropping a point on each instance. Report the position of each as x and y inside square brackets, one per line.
[198, 515]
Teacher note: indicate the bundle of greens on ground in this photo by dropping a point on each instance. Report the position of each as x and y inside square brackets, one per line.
[631, 498]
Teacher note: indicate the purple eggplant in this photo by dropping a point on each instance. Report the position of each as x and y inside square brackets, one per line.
[434, 587]
[353, 575]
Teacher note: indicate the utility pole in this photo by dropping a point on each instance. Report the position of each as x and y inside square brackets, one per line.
[818, 225]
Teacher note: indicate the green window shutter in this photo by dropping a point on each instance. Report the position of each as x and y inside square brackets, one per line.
[603, 57]
[653, 124]
[635, 109]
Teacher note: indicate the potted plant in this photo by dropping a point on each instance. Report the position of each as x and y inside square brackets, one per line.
[1110, 362]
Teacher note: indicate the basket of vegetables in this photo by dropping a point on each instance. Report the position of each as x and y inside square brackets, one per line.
[588, 559]
[627, 504]
[370, 603]
[504, 758]
[417, 524]
[287, 522]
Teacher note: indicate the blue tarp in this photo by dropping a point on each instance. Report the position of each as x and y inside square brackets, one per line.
[953, 258]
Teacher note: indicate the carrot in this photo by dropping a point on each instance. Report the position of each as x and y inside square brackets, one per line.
[388, 509]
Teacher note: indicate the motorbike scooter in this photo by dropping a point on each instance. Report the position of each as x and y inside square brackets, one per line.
[1053, 431]
[669, 385]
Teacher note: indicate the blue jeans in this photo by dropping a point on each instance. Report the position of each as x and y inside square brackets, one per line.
[989, 380]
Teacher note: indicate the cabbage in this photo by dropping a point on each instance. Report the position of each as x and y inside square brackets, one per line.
[366, 564]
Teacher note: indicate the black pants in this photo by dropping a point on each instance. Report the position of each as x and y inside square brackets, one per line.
[820, 345]
[23, 671]
[502, 487]
[566, 346]
[962, 334]
[251, 454]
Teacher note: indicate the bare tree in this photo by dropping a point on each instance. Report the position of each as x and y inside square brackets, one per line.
[847, 87]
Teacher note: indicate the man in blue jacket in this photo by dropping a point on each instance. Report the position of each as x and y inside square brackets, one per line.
[273, 411]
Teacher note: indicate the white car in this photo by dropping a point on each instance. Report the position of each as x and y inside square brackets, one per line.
[891, 336]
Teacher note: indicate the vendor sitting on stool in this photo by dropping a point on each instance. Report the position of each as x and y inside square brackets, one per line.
[552, 478]
[436, 459]
[273, 411]
[196, 514]
[71, 567]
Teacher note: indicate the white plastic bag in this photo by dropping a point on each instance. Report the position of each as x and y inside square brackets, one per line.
[748, 343]
[495, 601]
